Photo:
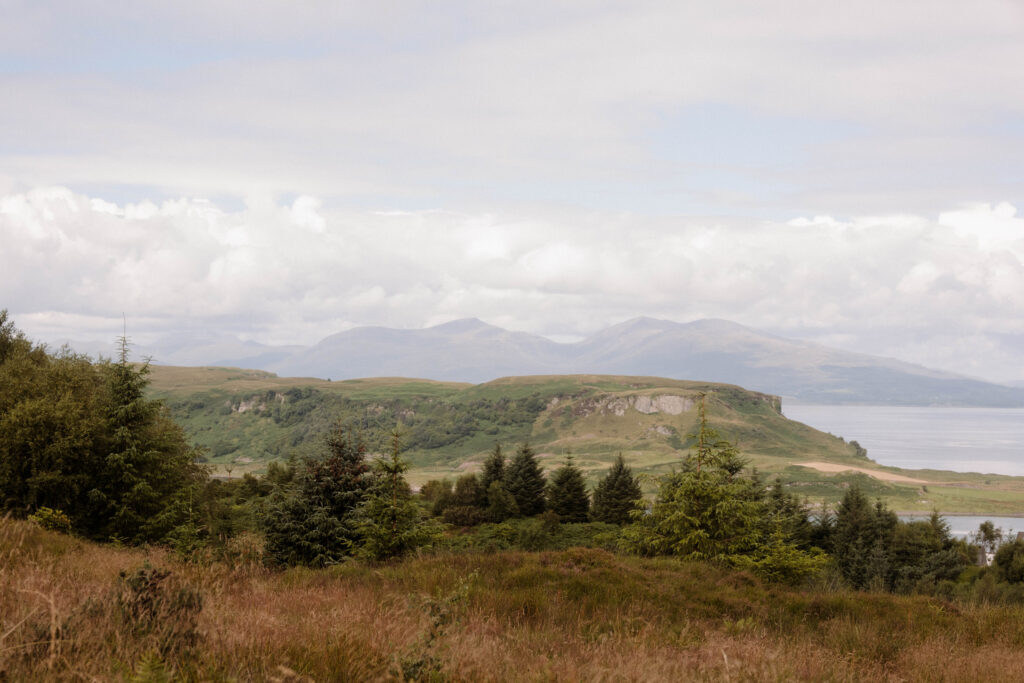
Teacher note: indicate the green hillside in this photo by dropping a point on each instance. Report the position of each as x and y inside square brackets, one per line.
[247, 418]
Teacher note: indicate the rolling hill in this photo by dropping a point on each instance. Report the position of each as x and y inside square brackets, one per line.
[246, 418]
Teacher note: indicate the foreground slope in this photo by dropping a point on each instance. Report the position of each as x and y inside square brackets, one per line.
[246, 418]
[66, 613]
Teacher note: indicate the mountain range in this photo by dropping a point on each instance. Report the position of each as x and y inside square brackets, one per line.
[471, 350]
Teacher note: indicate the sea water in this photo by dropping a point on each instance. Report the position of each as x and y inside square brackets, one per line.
[962, 526]
[987, 440]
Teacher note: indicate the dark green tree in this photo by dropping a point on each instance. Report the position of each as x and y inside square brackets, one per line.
[707, 511]
[494, 468]
[436, 490]
[1009, 561]
[524, 479]
[310, 518]
[861, 541]
[52, 429]
[924, 553]
[467, 503]
[389, 522]
[151, 480]
[468, 491]
[785, 510]
[617, 495]
[84, 439]
[567, 493]
[501, 505]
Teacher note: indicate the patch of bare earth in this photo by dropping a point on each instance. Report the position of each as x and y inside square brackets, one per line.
[877, 474]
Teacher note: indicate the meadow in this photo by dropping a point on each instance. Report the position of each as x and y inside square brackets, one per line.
[75, 610]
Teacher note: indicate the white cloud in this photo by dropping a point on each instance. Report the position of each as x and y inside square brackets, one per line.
[478, 103]
[926, 290]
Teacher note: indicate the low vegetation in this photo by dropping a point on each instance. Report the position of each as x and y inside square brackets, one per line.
[330, 566]
[72, 609]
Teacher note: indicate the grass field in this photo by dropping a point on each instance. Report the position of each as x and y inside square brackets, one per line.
[246, 418]
[579, 614]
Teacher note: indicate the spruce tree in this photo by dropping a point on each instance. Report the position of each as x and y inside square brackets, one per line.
[567, 494]
[524, 479]
[310, 518]
[389, 522]
[494, 468]
[707, 511]
[82, 438]
[617, 495]
[862, 540]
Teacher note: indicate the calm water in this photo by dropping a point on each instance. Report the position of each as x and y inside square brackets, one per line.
[964, 525]
[958, 439]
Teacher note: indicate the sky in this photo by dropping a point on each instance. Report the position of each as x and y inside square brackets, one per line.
[279, 171]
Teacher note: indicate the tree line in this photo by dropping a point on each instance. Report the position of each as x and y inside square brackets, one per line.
[80, 442]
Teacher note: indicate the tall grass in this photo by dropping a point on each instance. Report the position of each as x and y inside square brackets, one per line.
[561, 615]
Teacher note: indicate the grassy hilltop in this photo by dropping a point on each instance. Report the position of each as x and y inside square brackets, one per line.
[246, 418]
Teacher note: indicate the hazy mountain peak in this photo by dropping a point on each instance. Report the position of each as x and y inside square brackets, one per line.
[463, 325]
[710, 349]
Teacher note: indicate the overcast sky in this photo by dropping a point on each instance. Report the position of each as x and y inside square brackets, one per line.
[281, 171]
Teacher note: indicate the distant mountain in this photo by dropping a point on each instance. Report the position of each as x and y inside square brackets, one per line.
[470, 350]
[192, 348]
[464, 350]
[723, 351]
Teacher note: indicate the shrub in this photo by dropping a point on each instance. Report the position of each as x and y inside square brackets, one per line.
[151, 604]
[53, 520]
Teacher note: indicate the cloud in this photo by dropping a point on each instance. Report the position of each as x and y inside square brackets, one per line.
[864, 107]
[945, 291]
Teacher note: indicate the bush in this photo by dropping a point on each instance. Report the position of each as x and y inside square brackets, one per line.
[53, 520]
[153, 605]
[463, 515]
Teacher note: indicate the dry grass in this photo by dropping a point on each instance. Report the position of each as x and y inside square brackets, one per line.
[557, 616]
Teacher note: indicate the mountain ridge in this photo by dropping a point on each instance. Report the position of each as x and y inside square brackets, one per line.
[710, 349]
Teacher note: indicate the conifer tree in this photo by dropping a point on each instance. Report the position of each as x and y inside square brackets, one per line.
[617, 495]
[389, 522]
[861, 540]
[524, 479]
[567, 493]
[310, 518]
[83, 439]
[494, 468]
[706, 511]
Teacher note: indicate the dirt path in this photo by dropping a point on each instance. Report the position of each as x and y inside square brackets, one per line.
[884, 476]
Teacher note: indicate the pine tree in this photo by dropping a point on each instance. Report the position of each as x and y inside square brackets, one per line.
[151, 476]
[310, 518]
[524, 479]
[389, 521]
[617, 495]
[862, 541]
[567, 494]
[494, 468]
[83, 439]
[707, 511]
